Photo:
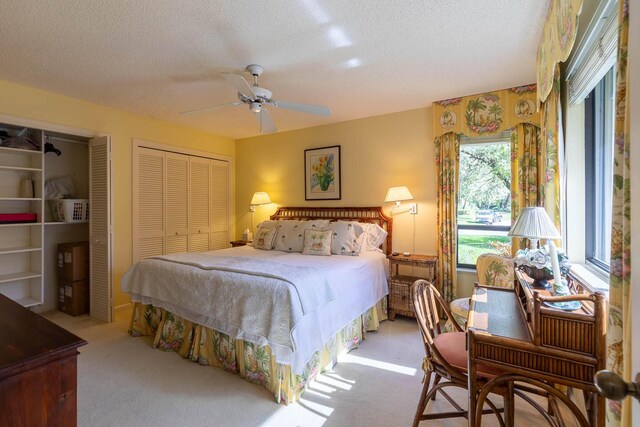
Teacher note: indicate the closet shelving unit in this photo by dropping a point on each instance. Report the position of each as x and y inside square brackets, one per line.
[28, 251]
[21, 249]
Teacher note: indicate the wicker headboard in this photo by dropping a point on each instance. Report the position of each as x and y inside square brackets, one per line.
[374, 215]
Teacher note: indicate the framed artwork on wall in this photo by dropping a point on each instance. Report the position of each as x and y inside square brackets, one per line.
[322, 173]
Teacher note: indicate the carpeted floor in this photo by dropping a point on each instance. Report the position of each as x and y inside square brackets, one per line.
[123, 381]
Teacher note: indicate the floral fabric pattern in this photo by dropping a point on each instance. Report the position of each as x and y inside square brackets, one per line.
[486, 114]
[534, 173]
[447, 167]
[250, 361]
[558, 37]
[619, 322]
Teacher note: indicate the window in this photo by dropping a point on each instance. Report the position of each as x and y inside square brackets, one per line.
[484, 204]
[599, 129]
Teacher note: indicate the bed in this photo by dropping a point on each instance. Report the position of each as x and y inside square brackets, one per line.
[272, 317]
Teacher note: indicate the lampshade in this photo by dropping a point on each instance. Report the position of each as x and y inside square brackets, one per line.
[260, 198]
[534, 222]
[397, 194]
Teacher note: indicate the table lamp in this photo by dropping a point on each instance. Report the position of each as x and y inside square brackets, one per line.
[534, 224]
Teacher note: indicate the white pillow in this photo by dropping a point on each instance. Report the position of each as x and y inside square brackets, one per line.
[264, 238]
[374, 237]
[270, 223]
[347, 237]
[317, 242]
[290, 234]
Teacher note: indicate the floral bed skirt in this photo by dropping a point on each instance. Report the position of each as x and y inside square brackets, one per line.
[250, 361]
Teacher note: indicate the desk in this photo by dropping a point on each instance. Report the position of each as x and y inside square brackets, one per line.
[512, 330]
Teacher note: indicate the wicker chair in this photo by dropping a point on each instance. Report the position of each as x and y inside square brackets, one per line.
[446, 357]
[493, 270]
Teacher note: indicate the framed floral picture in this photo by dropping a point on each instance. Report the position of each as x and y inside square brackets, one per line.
[322, 173]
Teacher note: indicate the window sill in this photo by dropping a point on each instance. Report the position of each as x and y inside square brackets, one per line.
[594, 280]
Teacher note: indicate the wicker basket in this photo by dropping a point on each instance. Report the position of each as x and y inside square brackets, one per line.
[70, 210]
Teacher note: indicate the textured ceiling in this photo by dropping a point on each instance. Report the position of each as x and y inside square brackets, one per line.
[359, 57]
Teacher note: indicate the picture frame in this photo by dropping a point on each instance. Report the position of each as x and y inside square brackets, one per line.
[322, 174]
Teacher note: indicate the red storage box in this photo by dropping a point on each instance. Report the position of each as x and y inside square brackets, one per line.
[17, 218]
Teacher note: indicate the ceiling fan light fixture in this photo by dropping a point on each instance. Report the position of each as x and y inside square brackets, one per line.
[255, 107]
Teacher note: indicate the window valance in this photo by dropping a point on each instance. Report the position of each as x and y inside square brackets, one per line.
[486, 114]
[558, 36]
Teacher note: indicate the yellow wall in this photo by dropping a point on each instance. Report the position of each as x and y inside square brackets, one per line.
[376, 153]
[35, 104]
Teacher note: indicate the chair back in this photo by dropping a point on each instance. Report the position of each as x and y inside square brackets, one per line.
[426, 301]
[495, 270]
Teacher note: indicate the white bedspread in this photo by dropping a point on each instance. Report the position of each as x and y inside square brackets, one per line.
[223, 291]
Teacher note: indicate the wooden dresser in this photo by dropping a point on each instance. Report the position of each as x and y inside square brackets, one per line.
[38, 371]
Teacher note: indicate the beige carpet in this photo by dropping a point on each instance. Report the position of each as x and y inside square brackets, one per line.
[122, 381]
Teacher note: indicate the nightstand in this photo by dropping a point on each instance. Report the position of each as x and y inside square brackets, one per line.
[240, 243]
[400, 301]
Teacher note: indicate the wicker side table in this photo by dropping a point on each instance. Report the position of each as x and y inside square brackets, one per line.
[400, 301]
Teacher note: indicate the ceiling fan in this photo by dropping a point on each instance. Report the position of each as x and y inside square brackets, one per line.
[257, 98]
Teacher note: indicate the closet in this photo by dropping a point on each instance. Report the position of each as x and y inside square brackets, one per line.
[28, 249]
[181, 202]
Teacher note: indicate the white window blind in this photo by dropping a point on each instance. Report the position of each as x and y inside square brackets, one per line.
[596, 53]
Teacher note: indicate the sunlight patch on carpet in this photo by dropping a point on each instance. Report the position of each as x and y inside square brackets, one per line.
[349, 358]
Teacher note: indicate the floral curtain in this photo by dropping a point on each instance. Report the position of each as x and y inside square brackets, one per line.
[558, 37]
[447, 165]
[552, 144]
[528, 175]
[619, 326]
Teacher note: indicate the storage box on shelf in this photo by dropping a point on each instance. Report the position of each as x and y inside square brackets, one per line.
[21, 231]
[73, 278]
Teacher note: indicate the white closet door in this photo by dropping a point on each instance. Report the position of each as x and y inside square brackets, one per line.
[219, 205]
[177, 202]
[148, 217]
[101, 230]
[199, 204]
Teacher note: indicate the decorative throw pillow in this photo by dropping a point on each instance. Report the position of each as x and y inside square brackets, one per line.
[290, 235]
[347, 238]
[264, 238]
[317, 242]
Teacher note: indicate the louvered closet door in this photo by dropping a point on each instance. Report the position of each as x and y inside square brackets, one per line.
[219, 235]
[101, 230]
[199, 204]
[177, 203]
[149, 204]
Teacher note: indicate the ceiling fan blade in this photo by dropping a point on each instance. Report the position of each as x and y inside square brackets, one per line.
[320, 110]
[213, 107]
[265, 121]
[240, 84]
